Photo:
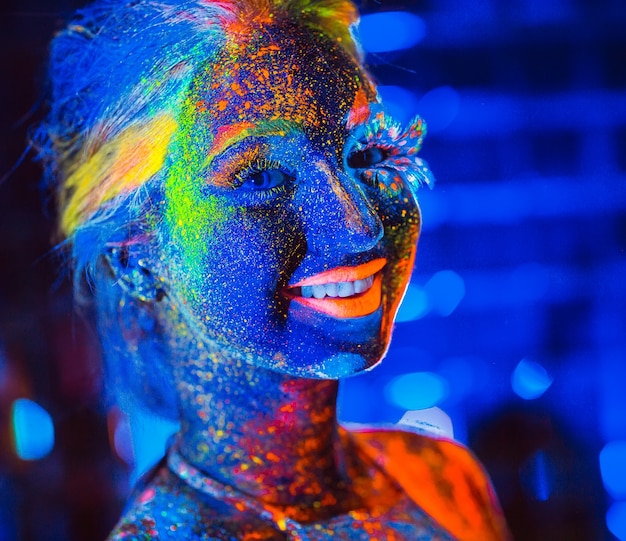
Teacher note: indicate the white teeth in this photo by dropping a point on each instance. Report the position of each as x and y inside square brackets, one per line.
[363, 285]
[331, 290]
[340, 289]
[319, 292]
[345, 289]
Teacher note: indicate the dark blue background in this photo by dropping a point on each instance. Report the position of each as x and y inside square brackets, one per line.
[527, 106]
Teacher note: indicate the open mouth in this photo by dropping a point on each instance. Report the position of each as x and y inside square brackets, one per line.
[343, 292]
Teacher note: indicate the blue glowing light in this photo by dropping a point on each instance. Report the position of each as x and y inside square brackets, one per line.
[416, 391]
[390, 31]
[33, 430]
[530, 380]
[445, 290]
[122, 439]
[529, 282]
[613, 468]
[537, 476]
[414, 305]
[461, 376]
[400, 103]
[435, 209]
[616, 520]
[440, 106]
[612, 370]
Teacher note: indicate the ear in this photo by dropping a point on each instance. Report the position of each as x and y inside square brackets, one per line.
[129, 265]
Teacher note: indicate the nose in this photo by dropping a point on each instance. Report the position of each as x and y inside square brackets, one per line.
[338, 213]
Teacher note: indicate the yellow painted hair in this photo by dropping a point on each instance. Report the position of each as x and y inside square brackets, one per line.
[118, 166]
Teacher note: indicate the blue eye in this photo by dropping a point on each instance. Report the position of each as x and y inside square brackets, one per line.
[264, 180]
[364, 159]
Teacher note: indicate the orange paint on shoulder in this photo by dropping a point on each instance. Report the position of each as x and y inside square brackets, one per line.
[287, 408]
[443, 478]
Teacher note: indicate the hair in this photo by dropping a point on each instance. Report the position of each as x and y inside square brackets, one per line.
[119, 74]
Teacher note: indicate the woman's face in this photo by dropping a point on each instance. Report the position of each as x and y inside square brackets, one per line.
[278, 245]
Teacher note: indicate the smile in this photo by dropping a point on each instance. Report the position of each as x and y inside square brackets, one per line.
[337, 289]
[343, 292]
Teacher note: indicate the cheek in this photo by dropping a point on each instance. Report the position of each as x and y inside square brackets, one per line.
[194, 224]
[230, 265]
[256, 249]
[402, 222]
[401, 218]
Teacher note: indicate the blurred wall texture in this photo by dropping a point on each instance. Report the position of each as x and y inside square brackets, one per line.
[512, 334]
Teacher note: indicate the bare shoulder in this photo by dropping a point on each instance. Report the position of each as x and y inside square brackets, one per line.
[432, 456]
[164, 507]
[442, 476]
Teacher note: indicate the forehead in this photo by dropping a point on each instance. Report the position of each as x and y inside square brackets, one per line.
[282, 71]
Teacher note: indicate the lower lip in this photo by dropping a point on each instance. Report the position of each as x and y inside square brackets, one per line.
[360, 305]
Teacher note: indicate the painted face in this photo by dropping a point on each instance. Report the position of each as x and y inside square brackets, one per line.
[288, 238]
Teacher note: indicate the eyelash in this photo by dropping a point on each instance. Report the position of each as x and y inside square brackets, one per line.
[258, 166]
[370, 174]
[399, 146]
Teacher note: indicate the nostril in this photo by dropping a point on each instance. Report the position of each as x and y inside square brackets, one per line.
[377, 229]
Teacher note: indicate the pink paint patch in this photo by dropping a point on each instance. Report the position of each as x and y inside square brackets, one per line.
[147, 496]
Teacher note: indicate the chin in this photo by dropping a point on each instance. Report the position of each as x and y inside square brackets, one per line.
[343, 365]
[330, 367]
[324, 347]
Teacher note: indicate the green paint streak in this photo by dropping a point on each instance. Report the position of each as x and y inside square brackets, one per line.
[192, 216]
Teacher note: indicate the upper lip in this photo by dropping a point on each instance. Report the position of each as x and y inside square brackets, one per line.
[343, 274]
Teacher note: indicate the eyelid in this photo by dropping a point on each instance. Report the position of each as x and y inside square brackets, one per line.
[230, 170]
[381, 131]
[232, 162]
[250, 153]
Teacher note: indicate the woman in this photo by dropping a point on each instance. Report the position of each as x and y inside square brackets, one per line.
[245, 213]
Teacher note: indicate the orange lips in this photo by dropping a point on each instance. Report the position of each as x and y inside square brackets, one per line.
[355, 305]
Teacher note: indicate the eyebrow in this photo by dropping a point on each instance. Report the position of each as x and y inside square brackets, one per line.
[231, 134]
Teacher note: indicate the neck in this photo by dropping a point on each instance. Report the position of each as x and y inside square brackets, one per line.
[269, 435]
